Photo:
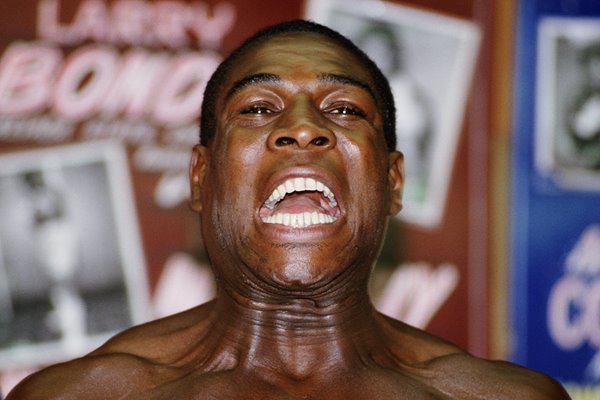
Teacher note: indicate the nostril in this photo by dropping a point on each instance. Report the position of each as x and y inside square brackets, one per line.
[284, 141]
[320, 141]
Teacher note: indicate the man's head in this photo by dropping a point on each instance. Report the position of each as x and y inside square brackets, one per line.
[296, 184]
[215, 84]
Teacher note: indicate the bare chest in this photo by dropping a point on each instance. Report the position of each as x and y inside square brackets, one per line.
[233, 385]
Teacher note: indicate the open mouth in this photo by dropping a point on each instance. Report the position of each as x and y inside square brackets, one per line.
[300, 202]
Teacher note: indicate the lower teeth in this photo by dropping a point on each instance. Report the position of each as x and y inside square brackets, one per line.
[299, 220]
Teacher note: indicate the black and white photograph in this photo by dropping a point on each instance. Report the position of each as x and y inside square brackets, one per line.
[429, 60]
[72, 271]
[568, 102]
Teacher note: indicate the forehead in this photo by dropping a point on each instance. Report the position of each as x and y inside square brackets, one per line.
[299, 56]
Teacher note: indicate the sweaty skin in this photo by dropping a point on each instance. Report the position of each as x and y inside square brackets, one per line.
[292, 318]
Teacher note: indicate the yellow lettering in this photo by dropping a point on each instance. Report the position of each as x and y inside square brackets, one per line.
[583, 392]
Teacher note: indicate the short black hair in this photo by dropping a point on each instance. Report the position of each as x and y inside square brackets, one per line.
[383, 93]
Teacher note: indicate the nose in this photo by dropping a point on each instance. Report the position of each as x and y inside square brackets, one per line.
[302, 127]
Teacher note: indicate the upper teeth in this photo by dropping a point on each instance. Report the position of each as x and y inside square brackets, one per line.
[299, 185]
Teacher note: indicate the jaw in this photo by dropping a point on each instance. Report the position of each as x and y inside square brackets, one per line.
[266, 246]
[303, 255]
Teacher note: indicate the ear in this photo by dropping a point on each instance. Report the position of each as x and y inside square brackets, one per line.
[396, 181]
[197, 172]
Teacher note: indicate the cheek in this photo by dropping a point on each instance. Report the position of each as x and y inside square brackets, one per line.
[242, 147]
[233, 178]
[250, 156]
[366, 157]
[367, 169]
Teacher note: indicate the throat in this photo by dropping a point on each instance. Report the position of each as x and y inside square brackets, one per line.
[299, 342]
[297, 339]
[295, 316]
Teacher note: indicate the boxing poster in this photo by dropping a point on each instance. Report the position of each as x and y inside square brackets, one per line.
[556, 194]
[99, 104]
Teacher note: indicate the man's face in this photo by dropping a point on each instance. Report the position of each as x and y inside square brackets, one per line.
[296, 184]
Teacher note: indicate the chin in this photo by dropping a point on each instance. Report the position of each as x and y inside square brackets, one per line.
[300, 266]
[301, 276]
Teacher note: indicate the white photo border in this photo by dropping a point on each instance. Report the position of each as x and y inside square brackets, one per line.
[429, 212]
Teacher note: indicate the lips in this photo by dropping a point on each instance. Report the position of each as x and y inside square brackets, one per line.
[300, 202]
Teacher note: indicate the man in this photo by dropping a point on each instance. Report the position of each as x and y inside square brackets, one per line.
[294, 181]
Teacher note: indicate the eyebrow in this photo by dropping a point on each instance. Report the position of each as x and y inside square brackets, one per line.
[346, 80]
[250, 80]
[256, 79]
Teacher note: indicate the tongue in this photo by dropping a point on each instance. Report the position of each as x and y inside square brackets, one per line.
[296, 203]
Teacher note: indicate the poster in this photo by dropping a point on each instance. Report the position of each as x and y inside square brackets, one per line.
[130, 73]
[556, 192]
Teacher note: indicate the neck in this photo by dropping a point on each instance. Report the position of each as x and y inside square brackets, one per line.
[298, 333]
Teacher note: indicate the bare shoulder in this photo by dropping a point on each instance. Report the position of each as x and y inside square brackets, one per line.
[132, 361]
[89, 377]
[460, 375]
[495, 379]
[160, 340]
[415, 346]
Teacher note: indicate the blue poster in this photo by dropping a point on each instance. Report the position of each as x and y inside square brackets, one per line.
[555, 205]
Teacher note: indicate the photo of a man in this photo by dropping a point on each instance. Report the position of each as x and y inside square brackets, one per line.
[71, 266]
[568, 102]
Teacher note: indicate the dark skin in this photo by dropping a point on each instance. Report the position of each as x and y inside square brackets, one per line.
[292, 318]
